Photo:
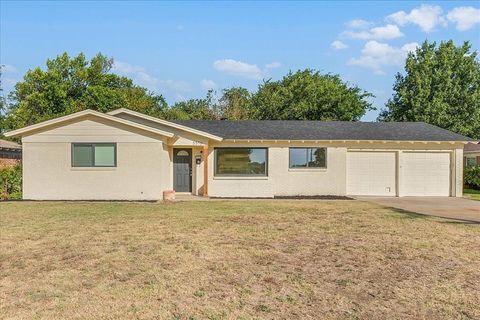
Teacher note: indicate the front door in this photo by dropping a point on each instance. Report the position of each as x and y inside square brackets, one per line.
[182, 170]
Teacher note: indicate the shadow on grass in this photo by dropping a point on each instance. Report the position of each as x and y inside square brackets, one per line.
[405, 214]
[448, 221]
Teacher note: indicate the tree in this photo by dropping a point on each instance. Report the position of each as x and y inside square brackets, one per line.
[73, 84]
[235, 104]
[3, 103]
[441, 86]
[198, 109]
[309, 95]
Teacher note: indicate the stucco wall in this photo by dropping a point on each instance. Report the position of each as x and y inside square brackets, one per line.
[283, 181]
[142, 171]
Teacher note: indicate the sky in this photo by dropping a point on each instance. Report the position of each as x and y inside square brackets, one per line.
[182, 49]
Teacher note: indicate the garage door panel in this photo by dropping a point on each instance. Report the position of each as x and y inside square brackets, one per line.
[425, 174]
[371, 173]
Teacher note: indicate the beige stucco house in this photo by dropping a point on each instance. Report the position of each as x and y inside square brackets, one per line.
[125, 155]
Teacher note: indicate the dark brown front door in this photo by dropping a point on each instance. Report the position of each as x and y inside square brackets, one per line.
[182, 170]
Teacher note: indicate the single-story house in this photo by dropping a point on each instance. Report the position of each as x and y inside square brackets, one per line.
[471, 153]
[10, 153]
[126, 155]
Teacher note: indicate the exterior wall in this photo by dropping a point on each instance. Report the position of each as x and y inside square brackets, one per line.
[457, 174]
[141, 173]
[283, 181]
[5, 162]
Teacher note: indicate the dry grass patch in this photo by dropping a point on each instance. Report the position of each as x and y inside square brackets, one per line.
[234, 260]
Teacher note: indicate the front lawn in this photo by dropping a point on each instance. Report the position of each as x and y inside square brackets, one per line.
[471, 194]
[234, 260]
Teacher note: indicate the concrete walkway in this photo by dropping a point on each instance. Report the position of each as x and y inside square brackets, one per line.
[445, 207]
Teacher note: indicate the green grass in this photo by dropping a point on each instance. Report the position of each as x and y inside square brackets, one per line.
[471, 194]
[234, 260]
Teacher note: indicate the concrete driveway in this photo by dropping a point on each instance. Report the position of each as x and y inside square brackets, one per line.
[445, 207]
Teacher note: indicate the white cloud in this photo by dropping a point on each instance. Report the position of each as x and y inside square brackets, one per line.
[143, 78]
[6, 68]
[273, 65]
[376, 55]
[359, 24]
[238, 68]
[464, 17]
[243, 69]
[338, 45]
[388, 31]
[427, 17]
[208, 84]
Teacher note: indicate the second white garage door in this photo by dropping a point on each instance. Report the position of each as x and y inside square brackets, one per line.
[425, 174]
[371, 173]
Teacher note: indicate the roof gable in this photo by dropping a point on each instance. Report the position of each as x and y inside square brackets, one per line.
[46, 125]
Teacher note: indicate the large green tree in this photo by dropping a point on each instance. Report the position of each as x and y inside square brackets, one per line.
[3, 103]
[309, 95]
[71, 84]
[199, 109]
[441, 86]
[235, 104]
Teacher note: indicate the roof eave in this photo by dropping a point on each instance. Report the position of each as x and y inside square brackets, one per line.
[349, 140]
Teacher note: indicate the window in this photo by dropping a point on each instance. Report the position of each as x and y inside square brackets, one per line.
[308, 158]
[241, 161]
[471, 162]
[94, 155]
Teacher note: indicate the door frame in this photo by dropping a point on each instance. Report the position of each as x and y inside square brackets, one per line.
[190, 166]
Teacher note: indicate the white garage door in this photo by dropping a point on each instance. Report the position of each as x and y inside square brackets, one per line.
[425, 174]
[371, 173]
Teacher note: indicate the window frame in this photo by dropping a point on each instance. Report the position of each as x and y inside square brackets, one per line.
[215, 163]
[306, 159]
[93, 145]
[467, 158]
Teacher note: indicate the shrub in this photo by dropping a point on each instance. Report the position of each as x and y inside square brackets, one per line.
[472, 176]
[11, 182]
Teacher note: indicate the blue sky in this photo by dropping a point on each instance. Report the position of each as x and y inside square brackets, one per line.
[181, 49]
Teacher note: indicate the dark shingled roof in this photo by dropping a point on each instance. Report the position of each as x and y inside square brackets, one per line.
[323, 130]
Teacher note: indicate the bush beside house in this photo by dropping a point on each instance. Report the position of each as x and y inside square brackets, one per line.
[472, 177]
[11, 182]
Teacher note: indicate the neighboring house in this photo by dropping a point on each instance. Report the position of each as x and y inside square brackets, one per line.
[125, 155]
[10, 153]
[471, 153]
